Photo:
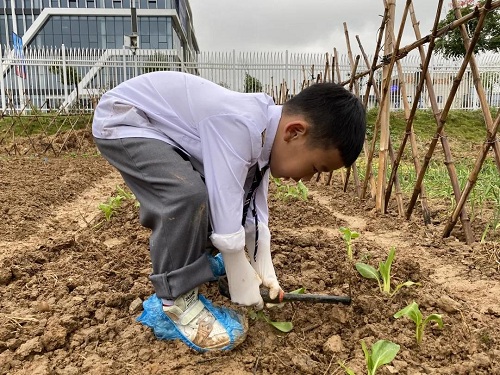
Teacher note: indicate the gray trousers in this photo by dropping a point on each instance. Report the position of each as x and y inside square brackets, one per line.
[173, 204]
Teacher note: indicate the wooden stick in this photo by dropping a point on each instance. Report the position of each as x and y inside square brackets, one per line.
[471, 180]
[418, 92]
[444, 113]
[479, 87]
[368, 172]
[402, 52]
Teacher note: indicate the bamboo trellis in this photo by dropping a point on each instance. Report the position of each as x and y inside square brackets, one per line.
[393, 53]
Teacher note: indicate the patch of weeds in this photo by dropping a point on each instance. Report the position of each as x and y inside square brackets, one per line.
[412, 311]
[383, 274]
[110, 207]
[287, 191]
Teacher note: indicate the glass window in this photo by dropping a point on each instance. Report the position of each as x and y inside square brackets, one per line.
[47, 28]
[143, 4]
[65, 26]
[117, 4]
[2, 3]
[72, 3]
[161, 4]
[27, 4]
[108, 3]
[90, 4]
[126, 4]
[58, 40]
[54, 3]
[92, 22]
[84, 27]
[152, 4]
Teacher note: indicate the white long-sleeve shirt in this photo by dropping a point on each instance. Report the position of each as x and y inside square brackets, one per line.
[222, 130]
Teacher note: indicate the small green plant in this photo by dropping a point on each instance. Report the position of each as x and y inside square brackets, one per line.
[348, 235]
[286, 191]
[281, 326]
[413, 312]
[114, 203]
[381, 353]
[382, 274]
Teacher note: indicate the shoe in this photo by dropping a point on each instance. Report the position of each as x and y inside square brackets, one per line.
[194, 320]
[217, 265]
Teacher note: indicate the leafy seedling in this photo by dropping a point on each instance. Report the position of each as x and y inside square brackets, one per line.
[413, 312]
[381, 353]
[286, 191]
[114, 203]
[284, 327]
[348, 235]
[383, 274]
[281, 326]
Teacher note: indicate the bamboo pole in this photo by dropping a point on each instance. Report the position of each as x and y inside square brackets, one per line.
[373, 185]
[471, 180]
[351, 60]
[450, 165]
[479, 87]
[402, 52]
[368, 173]
[418, 92]
[383, 114]
[383, 117]
[444, 113]
[399, 194]
[335, 64]
[354, 168]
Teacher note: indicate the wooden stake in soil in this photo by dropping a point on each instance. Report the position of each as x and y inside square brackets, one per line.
[442, 118]
[471, 180]
[479, 87]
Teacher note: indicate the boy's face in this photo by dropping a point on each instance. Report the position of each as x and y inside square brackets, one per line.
[292, 156]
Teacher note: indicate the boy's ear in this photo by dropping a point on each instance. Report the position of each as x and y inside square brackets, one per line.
[295, 129]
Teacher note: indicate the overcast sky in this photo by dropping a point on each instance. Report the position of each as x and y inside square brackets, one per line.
[299, 25]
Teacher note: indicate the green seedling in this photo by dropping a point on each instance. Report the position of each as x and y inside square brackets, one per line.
[413, 312]
[286, 191]
[382, 274]
[114, 203]
[284, 327]
[281, 326]
[381, 353]
[348, 236]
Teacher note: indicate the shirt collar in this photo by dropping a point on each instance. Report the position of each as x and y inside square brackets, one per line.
[273, 118]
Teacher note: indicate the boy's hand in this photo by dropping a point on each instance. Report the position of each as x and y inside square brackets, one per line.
[262, 262]
[243, 280]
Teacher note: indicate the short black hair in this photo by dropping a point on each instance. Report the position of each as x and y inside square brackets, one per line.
[337, 118]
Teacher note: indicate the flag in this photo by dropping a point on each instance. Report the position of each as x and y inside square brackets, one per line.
[19, 54]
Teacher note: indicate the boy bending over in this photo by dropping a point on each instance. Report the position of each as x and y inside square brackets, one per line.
[198, 157]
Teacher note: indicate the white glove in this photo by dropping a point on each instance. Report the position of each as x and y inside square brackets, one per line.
[242, 278]
[263, 264]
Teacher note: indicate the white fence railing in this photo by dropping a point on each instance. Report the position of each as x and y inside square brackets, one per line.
[49, 78]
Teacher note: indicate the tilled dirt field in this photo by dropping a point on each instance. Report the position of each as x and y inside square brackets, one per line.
[71, 283]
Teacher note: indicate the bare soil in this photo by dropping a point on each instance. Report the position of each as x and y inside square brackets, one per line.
[70, 284]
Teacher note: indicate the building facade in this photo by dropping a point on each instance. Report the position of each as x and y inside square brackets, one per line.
[101, 24]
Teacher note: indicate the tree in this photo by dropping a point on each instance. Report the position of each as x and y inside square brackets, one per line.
[451, 44]
[252, 84]
[157, 62]
[72, 76]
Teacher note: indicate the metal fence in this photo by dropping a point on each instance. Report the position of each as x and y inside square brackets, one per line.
[54, 78]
